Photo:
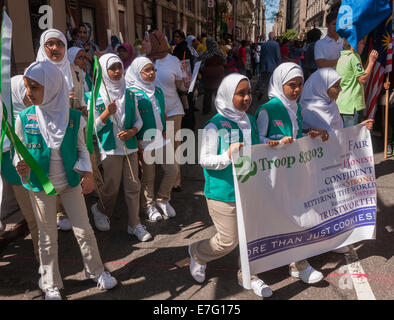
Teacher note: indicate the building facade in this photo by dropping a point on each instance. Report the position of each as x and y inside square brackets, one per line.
[130, 19]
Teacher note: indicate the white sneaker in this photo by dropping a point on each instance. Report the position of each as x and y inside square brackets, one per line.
[140, 232]
[153, 214]
[106, 281]
[100, 219]
[167, 209]
[197, 270]
[53, 294]
[260, 288]
[64, 224]
[342, 250]
[309, 275]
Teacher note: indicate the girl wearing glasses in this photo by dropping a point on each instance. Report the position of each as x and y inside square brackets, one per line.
[53, 48]
[54, 136]
[151, 104]
[117, 123]
[280, 122]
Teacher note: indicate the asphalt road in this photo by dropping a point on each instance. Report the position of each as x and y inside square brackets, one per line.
[158, 270]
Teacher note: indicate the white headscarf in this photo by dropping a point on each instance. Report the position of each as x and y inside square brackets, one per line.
[72, 54]
[18, 91]
[115, 89]
[64, 65]
[189, 41]
[54, 113]
[283, 74]
[318, 110]
[225, 106]
[134, 78]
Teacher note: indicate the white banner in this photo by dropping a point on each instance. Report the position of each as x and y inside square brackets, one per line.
[301, 200]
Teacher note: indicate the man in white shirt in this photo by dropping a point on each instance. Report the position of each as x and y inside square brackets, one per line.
[328, 50]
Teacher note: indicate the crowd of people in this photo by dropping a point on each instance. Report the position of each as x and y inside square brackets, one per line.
[145, 87]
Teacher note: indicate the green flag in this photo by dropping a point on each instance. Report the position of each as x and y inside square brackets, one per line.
[7, 115]
[97, 78]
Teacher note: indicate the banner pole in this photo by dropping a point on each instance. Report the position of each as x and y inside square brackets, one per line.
[386, 120]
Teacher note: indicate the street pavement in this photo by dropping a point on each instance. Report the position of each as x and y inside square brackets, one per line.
[158, 270]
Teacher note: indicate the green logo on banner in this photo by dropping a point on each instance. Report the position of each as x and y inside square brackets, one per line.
[245, 168]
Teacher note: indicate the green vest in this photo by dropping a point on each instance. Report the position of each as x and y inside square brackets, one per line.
[106, 134]
[146, 110]
[279, 119]
[38, 148]
[8, 171]
[219, 184]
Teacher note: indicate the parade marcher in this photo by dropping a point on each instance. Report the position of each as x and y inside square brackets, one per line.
[319, 107]
[54, 136]
[181, 51]
[169, 78]
[351, 100]
[53, 48]
[8, 171]
[233, 100]
[191, 44]
[328, 50]
[113, 47]
[117, 123]
[318, 100]
[85, 42]
[126, 54]
[280, 121]
[212, 69]
[78, 62]
[150, 100]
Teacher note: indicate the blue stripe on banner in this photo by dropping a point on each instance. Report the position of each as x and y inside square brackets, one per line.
[274, 244]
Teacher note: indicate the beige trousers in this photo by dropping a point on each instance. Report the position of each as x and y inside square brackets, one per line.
[177, 121]
[116, 171]
[224, 217]
[75, 207]
[23, 198]
[148, 176]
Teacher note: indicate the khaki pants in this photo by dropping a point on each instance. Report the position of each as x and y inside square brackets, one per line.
[177, 120]
[148, 176]
[23, 199]
[116, 170]
[75, 207]
[224, 217]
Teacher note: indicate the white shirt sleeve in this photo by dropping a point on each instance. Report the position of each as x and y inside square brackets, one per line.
[21, 135]
[262, 125]
[177, 69]
[83, 163]
[319, 50]
[209, 158]
[138, 120]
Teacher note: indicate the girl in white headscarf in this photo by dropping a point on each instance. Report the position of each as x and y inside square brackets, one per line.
[280, 121]
[225, 133]
[53, 48]
[78, 62]
[318, 101]
[151, 104]
[117, 123]
[54, 136]
[319, 108]
[8, 172]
